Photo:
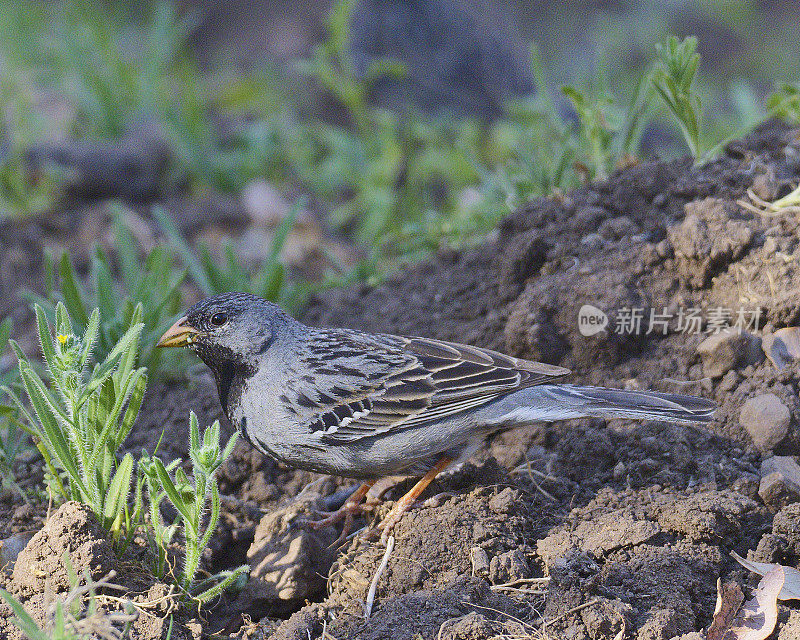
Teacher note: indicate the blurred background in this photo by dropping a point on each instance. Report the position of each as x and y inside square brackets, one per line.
[405, 125]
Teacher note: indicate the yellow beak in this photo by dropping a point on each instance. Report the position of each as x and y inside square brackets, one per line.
[179, 334]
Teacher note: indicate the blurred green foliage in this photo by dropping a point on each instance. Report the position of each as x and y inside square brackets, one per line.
[150, 287]
[401, 183]
[213, 277]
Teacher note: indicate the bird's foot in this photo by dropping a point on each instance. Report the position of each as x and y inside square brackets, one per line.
[351, 508]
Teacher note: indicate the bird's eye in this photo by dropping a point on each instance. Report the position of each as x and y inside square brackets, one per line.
[219, 318]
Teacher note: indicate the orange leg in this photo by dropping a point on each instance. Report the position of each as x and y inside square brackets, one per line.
[404, 503]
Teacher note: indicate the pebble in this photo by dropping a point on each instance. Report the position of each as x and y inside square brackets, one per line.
[593, 241]
[726, 350]
[766, 419]
[783, 346]
[780, 482]
[508, 567]
[264, 203]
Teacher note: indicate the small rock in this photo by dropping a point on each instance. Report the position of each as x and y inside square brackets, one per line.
[729, 382]
[589, 217]
[766, 419]
[593, 241]
[504, 501]
[660, 623]
[777, 491]
[780, 481]
[727, 350]
[664, 248]
[617, 228]
[473, 625]
[508, 567]
[785, 465]
[480, 561]
[264, 203]
[764, 186]
[783, 346]
[770, 245]
[10, 548]
[606, 619]
[288, 561]
[747, 484]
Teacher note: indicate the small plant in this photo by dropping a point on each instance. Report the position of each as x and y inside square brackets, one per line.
[79, 428]
[609, 134]
[162, 533]
[268, 281]
[332, 67]
[23, 190]
[784, 102]
[788, 204]
[673, 79]
[112, 84]
[153, 287]
[538, 150]
[189, 496]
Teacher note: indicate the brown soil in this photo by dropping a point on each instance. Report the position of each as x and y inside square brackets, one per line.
[631, 522]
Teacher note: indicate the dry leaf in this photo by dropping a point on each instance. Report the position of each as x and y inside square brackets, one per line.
[791, 586]
[757, 617]
[729, 599]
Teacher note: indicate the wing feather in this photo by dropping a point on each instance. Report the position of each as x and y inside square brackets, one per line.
[383, 383]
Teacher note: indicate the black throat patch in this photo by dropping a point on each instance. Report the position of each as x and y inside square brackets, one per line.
[229, 372]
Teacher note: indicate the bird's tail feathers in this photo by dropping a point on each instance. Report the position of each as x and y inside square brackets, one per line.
[640, 405]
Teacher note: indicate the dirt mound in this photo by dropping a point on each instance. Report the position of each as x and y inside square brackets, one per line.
[73, 542]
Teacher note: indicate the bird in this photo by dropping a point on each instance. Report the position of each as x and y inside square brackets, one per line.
[367, 406]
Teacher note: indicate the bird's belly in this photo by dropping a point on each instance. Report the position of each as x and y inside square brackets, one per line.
[406, 451]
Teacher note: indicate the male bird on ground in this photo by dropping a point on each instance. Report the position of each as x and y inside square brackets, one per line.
[367, 406]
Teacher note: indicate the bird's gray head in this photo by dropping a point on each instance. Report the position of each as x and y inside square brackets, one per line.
[229, 330]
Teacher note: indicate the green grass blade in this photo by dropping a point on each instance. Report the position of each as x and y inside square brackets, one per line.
[90, 337]
[134, 404]
[45, 339]
[74, 296]
[168, 486]
[190, 260]
[117, 496]
[23, 619]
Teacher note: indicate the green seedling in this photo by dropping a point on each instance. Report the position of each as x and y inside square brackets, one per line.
[189, 496]
[12, 438]
[154, 287]
[81, 418]
[673, 79]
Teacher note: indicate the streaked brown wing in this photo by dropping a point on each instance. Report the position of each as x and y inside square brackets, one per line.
[424, 380]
